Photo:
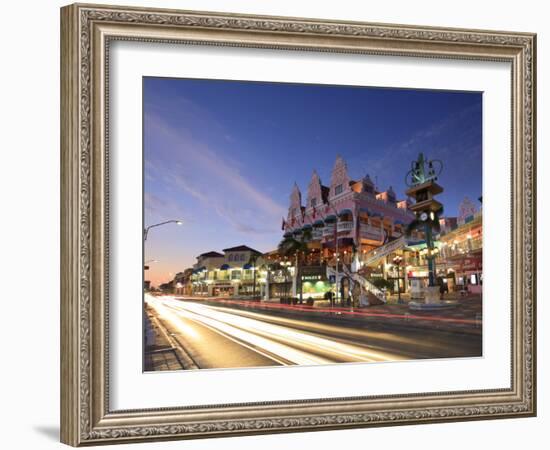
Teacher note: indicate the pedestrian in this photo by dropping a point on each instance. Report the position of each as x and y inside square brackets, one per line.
[441, 290]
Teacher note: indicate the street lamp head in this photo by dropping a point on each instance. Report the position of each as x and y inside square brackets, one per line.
[179, 222]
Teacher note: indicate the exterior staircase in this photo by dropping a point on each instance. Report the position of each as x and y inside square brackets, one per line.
[377, 254]
[372, 294]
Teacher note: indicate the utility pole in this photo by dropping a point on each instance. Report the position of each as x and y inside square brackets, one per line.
[337, 272]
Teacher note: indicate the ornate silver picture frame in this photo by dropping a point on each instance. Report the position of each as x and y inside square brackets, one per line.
[87, 32]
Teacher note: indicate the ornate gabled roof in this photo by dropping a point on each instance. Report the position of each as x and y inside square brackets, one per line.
[295, 200]
[315, 189]
[339, 175]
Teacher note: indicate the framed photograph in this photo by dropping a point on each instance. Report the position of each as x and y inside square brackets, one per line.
[275, 224]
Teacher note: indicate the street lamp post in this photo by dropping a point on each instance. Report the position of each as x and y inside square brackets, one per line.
[397, 261]
[146, 230]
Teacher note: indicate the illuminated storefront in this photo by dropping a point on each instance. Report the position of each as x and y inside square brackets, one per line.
[458, 258]
[235, 272]
[314, 282]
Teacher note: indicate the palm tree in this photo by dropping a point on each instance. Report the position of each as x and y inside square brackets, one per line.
[297, 247]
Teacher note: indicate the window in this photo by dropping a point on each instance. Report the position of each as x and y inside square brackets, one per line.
[293, 212]
[236, 275]
[338, 189]
[313, 202]
[230, 257]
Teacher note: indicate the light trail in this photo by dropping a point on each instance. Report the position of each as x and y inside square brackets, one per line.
[259, 343]
[337, 311]
[322, 328]
[295, 346]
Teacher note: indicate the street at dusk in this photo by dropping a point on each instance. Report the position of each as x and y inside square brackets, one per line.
[224, 335]
[298, 224]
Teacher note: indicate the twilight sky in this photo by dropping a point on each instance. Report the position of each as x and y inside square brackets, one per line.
[223, 156]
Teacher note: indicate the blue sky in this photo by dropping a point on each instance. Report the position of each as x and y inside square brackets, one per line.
[223, 155]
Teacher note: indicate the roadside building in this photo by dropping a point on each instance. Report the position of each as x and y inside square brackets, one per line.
[182, 282]
[458, 258]
[233, 273]
[462, 254]
[346, 217]
[352, 226]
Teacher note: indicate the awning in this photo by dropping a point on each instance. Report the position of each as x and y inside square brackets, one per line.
[345, 212]
[247, 266]
[318, 224]
[224, 267]
[306, 227]
[330, 219]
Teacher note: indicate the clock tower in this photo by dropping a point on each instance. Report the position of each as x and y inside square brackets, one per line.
[423, 188]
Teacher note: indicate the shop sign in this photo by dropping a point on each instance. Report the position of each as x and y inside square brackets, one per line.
[470, 264]
[312, 277]
[313, 273]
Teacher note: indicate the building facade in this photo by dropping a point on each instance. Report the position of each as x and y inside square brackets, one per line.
[233, 273]
[352, 226]
[346, 217]
[458, 257]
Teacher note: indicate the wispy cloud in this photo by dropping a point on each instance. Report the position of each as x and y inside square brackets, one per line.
[188, 166]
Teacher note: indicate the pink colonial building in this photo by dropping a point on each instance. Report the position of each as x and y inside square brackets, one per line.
[361, 217]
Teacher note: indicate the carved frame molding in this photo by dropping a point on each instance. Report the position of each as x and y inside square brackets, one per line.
[86, 31]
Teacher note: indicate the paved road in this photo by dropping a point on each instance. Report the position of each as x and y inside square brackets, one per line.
[224, 337]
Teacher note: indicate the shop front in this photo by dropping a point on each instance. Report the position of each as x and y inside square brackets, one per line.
[469, 273]
[314, 282]
[280, 283]
[223, 290]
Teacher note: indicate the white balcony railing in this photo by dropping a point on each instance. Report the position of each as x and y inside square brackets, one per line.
[345, 226]
[370, 232]
[317, 234]
[328, 230]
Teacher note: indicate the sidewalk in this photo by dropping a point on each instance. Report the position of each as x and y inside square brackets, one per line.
[464, 318]
[159, 353]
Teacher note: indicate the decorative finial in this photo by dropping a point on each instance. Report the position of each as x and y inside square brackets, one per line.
[423, 170]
